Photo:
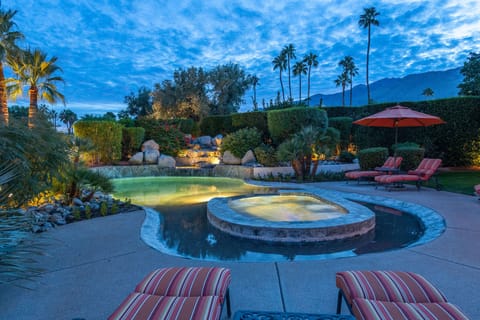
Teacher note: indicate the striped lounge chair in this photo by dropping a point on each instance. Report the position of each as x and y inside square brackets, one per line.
[381, 295]
[196, 293]
[477, 190]
[391, 163]
[425, 170]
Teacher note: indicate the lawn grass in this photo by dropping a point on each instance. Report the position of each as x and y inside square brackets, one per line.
[457, 181]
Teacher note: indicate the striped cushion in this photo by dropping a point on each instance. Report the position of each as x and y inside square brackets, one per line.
[477, 189]
[364, 309]
[388, 178]
[150, 307]
[362, 174]
[395, 286]
[426, 168]
[186, 282]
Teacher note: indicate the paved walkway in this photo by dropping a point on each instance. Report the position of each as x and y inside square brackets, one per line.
[92, 265]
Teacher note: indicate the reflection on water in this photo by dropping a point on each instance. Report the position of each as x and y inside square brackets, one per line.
[185, 230]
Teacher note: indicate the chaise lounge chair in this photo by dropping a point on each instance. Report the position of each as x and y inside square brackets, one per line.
[392, 163]
[197, 293]
[477, 190]
[425, 170]
[379, 295]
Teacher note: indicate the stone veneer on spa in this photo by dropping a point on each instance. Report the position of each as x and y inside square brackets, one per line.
[352, 220]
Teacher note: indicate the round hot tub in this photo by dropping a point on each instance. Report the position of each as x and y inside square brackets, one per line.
[290, 217]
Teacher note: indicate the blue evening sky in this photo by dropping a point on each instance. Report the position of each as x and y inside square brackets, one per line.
[108, 49]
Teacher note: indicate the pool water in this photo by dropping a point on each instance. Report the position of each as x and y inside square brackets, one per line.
[183, 229]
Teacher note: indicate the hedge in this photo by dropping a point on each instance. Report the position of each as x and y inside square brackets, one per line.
[169, 138]
[457, 142]
[370, 158]
[213, 125]
[255, 119]
[285, 122]
[344, 125]
[132, 139]
[106, 137]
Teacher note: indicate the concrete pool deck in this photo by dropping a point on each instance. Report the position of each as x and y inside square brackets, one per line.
[91, 266]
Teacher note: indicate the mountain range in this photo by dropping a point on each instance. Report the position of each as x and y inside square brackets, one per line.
[409, 88]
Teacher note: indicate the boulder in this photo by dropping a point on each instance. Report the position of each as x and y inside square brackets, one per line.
[204, 141]
[137, 158]
[150, 145]
[151, 156]
[229, 158]
[249, 158]
[217, 140]
[166, 161]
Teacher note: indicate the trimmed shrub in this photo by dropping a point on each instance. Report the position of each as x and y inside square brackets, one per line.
[106, 136]
[411, 157]
[346, 157]
[213, 125]
[169, 138]
[344, 125]
[370, 158]
[255, 119]
[283, 123]
[132, 139]
[266, 155]
[239, 142]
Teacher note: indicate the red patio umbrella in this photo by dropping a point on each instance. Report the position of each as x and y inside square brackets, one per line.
[399, 116]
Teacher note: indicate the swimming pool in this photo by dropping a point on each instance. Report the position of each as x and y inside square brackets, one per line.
[176, 222]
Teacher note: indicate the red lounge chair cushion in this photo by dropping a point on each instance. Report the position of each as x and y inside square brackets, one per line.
[477, 189]
[396, 178]
[362, 174]
[364, 309]
[186, 282]
[141, 306]
[397, 286]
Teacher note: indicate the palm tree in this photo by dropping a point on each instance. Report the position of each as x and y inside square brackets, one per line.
[254, 81]
[367, 19]
[289, 52]
[280, 63]
[342, 81]
[34, 70]
[68, 117]
[427, 92]
[311, 61]
[8, 37]
[351, 70]
[299, 68]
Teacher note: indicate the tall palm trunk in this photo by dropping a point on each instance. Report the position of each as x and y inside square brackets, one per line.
[343, 94]
[368, 58]
[289, 80]
[308, 85]
[351, 88]
[281, 84]
[33, 108]
[3, 98]
[300, 89]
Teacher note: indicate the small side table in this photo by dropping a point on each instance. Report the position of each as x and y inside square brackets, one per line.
[266, 315]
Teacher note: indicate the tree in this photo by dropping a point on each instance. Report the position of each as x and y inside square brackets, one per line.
[33, 70]
[254, 82]
[311, 61]
[289, 52]
[470, 85]
[280, 63]
[68, 117]
[367, 19]
[8, 37]
[228, 85]
[299, 68]
[342, 80]
[139, 105]
[351, 70]
[428, 92]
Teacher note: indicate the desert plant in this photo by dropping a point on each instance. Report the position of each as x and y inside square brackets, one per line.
[346, 157]
[411, 157]
[266, 155]
[370, 158]
[103, 209]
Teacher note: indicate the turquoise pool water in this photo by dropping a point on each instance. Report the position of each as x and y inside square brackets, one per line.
[176, 222]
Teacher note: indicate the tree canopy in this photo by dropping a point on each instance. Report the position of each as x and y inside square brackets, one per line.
[470, 85]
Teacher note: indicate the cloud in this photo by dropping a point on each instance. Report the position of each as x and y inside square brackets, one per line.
[108, 49]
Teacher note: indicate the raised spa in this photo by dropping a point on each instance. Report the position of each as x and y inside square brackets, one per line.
[290, 217]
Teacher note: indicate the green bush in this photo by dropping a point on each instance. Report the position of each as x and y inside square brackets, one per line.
[283, 123]
[346, 157]
[266, 155]
[411, 157]
[213, 125]
[256, 119]
[169, 138]
[106, 137]
[239, 142]
[344, 125]
[132, 139]
[370, 158]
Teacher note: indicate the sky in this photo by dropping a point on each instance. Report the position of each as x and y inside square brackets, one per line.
[108, 49]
